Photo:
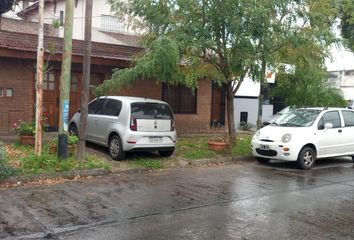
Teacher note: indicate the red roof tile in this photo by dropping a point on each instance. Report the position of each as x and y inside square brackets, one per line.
[28, 42]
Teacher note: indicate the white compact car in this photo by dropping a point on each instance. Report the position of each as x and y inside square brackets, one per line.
[306, 134]
[129, 124]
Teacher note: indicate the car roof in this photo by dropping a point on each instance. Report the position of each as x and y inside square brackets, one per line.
[324, 108]
[133, 99]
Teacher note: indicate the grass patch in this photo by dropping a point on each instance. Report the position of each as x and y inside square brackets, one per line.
[193, 148]
[6, 170]
[27, 162]
[243, 146]
[148, 163]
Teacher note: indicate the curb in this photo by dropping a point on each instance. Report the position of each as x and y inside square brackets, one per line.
[64, 175]
[222, 160]
[100, 172]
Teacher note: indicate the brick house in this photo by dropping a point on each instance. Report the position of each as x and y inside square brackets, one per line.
[18, 46]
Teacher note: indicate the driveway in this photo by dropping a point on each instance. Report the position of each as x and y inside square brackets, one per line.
[246, 200]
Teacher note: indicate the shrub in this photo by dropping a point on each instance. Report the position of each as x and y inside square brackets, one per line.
[245, 126]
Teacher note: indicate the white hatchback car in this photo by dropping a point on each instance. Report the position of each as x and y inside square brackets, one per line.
[306, 134]
[129, 124]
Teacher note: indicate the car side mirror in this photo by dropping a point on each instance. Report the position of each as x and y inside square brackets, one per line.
[328, 126]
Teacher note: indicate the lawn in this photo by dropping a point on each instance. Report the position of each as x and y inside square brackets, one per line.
[17, 159]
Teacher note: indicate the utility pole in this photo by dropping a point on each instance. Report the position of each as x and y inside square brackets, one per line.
[39, 85]
[65, 81]
[86, 82]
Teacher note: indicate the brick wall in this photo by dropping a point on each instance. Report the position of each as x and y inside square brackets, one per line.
[15, 25]
[18, 75]
[185, 123]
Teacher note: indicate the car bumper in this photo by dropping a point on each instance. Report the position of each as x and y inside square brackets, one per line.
[274, 150]
[150, 142]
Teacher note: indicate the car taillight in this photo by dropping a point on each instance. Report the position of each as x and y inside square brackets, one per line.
[133, 125]
[172, 125]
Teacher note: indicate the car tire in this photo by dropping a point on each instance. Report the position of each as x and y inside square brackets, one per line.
[262, 160]
[73, 130]
[115, 148]
[166, 153]
[353, 158]
[306, 158]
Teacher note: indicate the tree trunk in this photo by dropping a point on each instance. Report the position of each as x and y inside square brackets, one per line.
[86, 82]
[230, 115]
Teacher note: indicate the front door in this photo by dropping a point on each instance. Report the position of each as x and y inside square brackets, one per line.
[217, 115]
[75, 89]
[330, 141]
[51, 99]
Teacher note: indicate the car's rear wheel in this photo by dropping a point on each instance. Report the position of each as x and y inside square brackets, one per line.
[73, 129]
[115, 148]
[306, 158]
[262, 160]
[353, 158]
[166, 153]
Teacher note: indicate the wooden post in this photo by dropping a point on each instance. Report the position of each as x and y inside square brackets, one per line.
[65, 81]
[86, 82]
[39, 85]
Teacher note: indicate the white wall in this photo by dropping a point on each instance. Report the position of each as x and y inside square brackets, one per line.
[100, 7]
[250, 105]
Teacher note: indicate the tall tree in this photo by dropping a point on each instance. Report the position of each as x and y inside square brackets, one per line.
[223, 40]
[346, 14]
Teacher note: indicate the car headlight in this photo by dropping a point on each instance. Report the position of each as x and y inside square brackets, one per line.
[286, 138]
[256, 135]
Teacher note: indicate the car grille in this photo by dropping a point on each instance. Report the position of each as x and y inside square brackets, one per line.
[266, 140]
[269, 153]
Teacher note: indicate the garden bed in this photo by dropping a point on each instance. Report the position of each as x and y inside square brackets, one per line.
[21, 160]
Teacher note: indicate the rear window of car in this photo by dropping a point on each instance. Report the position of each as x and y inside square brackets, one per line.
[143, 110]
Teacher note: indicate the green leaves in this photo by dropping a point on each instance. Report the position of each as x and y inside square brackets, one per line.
[347, 22]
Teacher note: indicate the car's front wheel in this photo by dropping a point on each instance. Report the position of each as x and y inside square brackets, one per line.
[353, 158]
[166, 153]
[306, 158]
[262, 160]
[115, 148]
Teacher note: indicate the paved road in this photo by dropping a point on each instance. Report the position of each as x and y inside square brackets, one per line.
[237, 201]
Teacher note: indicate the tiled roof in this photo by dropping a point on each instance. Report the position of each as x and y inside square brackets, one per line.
[31, 8]
[28, 42]
[126, 38]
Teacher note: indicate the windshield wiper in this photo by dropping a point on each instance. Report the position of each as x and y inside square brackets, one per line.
[290, 125]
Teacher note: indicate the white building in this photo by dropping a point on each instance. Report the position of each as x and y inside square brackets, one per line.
[106, 27]
[343, 79]
[246, 104]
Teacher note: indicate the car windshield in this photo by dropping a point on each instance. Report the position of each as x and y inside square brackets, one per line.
[297, 118]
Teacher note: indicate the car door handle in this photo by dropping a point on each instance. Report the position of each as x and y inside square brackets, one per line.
[340, 130]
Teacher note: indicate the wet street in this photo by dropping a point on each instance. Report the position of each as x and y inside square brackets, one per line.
[246, 200]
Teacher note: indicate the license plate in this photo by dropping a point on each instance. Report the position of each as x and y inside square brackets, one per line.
[155, 140]
[264, 147]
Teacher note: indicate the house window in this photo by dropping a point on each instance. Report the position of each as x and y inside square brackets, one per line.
[1, 92]
[73, 83]
[112, 23]
[244, 117]
[9, 92]
[48, 82]
[181, 99]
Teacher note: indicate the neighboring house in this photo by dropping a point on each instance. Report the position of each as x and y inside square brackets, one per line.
[343, 79]
[246, 103]
[106, 27]
[194, 112]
